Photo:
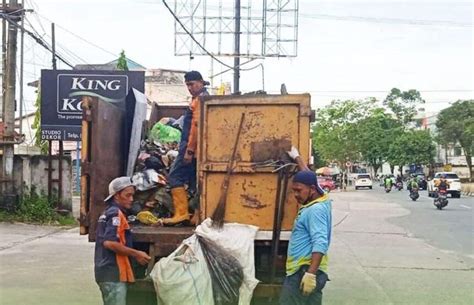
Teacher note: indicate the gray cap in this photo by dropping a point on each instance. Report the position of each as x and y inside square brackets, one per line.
[117, 185]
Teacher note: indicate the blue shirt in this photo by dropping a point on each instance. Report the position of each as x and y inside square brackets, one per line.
[311, 233]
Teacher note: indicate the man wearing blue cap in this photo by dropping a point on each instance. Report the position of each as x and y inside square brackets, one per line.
[307, 261]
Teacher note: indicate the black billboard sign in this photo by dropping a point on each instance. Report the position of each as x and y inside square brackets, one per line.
[61, 97]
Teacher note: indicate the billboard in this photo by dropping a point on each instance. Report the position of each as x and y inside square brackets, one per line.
[61, 97]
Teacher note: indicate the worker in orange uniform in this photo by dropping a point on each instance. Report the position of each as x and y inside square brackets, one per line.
[113, 248]
[183, 170]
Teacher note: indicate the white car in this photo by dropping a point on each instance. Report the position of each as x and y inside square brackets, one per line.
[363, 180]
[454, 184]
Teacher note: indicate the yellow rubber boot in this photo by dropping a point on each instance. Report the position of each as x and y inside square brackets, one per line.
[180, 203]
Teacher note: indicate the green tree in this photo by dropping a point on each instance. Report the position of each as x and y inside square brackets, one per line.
[335, 131]
[403, 104]
[412, 147]
[317, 160]
[375, 135]
[456, 125]
[122, 62]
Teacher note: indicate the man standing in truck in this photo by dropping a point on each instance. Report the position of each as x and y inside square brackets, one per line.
[307, 261]
[113, 246]
[183, 171]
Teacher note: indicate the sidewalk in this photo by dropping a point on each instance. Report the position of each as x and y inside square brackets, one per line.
[46, 265]
[467, 189]
[375, 262]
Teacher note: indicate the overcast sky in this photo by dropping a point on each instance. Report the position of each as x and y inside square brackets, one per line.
[347, 49]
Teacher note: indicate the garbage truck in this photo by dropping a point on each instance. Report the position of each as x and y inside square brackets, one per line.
[258, 192]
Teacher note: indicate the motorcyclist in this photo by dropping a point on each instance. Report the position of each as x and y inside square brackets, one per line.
[413, 180]
[399, 182]
[388, 182]
[399, 179]
[414, 185]
[442, 184]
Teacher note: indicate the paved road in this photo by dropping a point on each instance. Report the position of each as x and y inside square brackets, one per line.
[450, 229]
[389, 250]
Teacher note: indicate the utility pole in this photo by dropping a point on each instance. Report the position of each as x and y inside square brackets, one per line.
[9, 106]
[4, 57]
[237, 48]
[22, 53]
[50, 142]
[53, 41]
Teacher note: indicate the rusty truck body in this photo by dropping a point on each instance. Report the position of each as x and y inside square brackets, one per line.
[258, 192]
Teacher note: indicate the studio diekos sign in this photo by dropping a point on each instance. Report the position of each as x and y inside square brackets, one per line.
[62, 92]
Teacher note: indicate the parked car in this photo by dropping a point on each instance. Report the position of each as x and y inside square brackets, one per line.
[454, 184]
[363, 180]
[326, 183]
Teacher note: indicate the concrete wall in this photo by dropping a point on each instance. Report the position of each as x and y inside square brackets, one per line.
[31, 171]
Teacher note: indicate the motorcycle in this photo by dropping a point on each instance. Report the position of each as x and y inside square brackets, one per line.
[414, 195]
[388, 188]
[441, 199]
[399, 185]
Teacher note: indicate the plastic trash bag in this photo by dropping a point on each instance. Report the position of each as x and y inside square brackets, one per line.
[164, 134]
[226, 272]
[237, 240]
[182, 278]
[178, 281]
[148, 179]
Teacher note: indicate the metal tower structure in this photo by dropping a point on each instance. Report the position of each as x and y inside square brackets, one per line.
[238, 29]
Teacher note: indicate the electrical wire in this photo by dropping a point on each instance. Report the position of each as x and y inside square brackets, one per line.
[193, 38]
[39, 40]
[200, 45]
[388, 20]
[78, 37]
[69, 53]
[60, 47]
[35, 9]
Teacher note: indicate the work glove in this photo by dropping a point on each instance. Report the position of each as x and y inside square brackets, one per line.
[308, 283]
[293, 153]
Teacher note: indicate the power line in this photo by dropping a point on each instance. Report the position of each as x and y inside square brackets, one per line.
[70, 54]
[388, 20]
[193, 38]
[200, 45]
[79, 37]
[39, 40]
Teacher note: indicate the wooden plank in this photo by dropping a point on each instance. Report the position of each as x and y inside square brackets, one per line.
[104, 165]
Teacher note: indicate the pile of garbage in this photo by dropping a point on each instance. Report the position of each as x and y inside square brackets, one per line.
[156, 156]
